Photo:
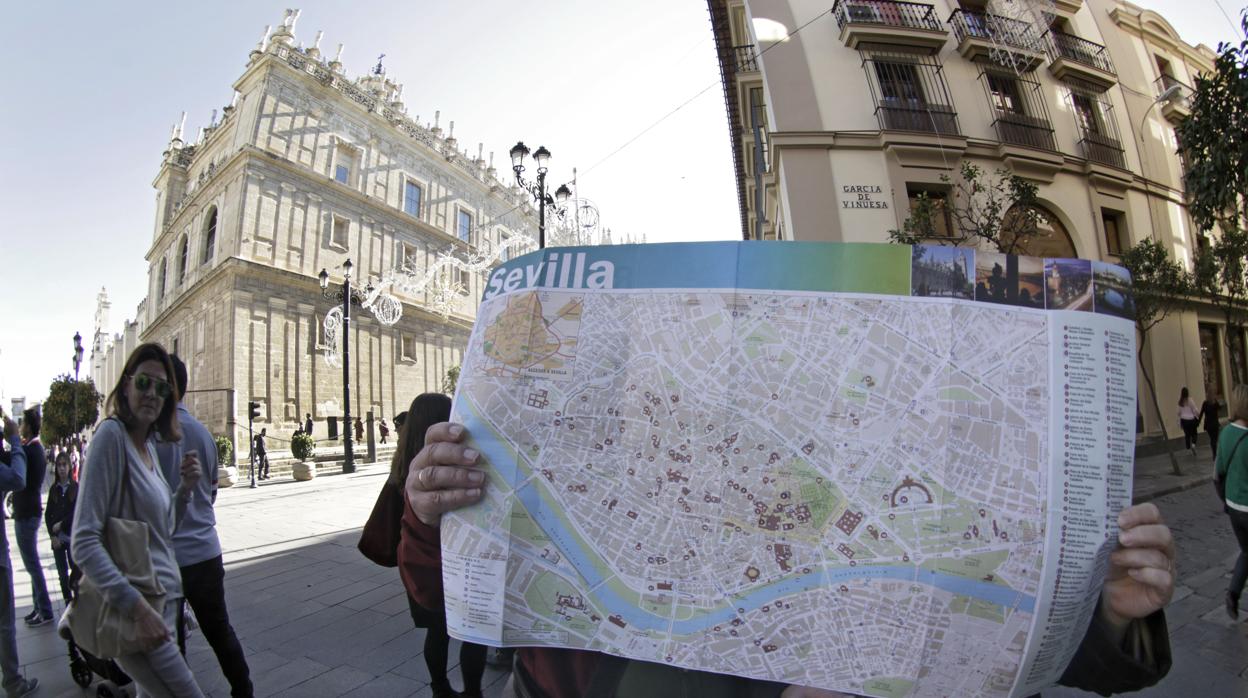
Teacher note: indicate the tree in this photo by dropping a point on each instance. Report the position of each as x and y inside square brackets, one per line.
[451, 380]
[1214, 140]
[62, 417]
[1002, 210]
[1160, 286]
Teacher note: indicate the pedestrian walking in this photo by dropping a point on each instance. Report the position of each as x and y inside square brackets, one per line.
[420, 561]
[262, 456]
[1231, 471]
[1189, 419]
[307, 424]
[59, 519]
[28, 517]
[1209, 417]
[359, 430]
[383, 430]
[12, 478]
[196, 545]
[123, 479]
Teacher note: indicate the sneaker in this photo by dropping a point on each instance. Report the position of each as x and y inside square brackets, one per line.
[1232, 606]
[25, 687]
[31, 616]
[38, 620]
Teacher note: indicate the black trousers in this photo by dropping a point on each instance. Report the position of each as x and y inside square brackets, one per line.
[203, 584]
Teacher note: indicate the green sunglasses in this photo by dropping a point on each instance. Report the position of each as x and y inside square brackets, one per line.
[143, 383]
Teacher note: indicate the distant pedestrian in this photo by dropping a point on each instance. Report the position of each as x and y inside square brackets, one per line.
[420, 559]
[1209, 417]
[383, 430]
[122, 477]
[59, 519]
[12, 478]
[197, 547]
[262, 456]
[1232, 473]
[1189, 419]
[359, 430]
[28, 517]
[307, 424]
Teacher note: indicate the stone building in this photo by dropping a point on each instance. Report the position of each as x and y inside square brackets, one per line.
[840, 120]
[305, 169]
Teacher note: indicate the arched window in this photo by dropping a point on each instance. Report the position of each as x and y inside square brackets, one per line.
[162, 277]
[182, 251]
[1051, 238]
[210, 236]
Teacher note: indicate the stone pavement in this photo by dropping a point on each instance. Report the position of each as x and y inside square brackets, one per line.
[317, 619]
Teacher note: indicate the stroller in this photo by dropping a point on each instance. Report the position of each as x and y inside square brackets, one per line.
[84, 667]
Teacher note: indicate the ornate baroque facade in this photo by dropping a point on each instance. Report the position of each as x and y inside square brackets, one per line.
[305, 169]
[841, 119]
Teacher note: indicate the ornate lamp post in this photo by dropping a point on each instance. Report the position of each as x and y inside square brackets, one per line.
[537, 189]
[77, 361]
[347, 296]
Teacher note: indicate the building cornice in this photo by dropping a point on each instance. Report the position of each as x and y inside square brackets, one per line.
[1155, 29]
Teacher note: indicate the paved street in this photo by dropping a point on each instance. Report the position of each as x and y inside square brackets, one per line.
[317, 619]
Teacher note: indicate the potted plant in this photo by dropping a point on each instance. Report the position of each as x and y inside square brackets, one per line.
[226, 472]
[303, 447]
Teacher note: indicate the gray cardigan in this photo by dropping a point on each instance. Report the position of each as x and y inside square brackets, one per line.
[150, 501]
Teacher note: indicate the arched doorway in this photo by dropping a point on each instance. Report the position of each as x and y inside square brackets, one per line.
[1051, 239]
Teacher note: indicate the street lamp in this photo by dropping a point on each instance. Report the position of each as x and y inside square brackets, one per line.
[537, 189]
[347, 296]
[77, 361]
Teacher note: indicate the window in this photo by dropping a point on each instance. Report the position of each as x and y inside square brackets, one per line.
[463, 225]
[161, 278]
[407, 347]
[1086, 114]
[411, 199]
[1004, 92]
[941, 218]
[1115, 226]
[508, 253]
[340, 232]
[407, 255]
[210, 236]
[175, 346]
[183, 249]
[910, 92]
[341, 173]
[346, 162]
[1094, 114]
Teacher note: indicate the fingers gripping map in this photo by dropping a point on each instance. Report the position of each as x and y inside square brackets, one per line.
[872, 468]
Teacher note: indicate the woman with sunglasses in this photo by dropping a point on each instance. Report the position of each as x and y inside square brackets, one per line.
[122, 479]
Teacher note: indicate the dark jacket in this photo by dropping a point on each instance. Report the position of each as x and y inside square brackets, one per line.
[61, 508]
[1209, 416]
[28, 502]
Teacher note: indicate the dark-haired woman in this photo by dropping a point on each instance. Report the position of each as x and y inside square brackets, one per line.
[122, 479]
[59, 518]
[1189, 419]
[420, 562]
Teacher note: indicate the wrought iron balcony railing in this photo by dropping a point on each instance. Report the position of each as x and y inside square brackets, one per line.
[1104, 149]
[747, 60]
[995, 28]
[913, 115]
[1079, 50]
[1029, 131]
[909, 15]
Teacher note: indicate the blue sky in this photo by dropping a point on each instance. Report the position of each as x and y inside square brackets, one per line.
[95, 89]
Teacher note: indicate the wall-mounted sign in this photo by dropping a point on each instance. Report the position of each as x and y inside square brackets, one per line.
[860, 196]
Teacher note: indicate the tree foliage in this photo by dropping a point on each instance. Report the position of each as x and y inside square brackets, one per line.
[225, 451]
[1001, 210]
[302, 446]
[451, 380]
[1160, 286]
[1215, 140]
[62, 417]
[1221, 277]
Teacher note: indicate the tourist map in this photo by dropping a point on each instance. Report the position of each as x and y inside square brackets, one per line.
[882, 469]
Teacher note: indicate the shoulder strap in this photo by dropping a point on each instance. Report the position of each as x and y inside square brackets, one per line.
[1235, 448]
[124, 494]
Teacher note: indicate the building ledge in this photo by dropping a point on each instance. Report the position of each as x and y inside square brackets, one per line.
[984, 50]
[1064, 68]
[885, 22]
[1107, 179]
[1067, 7]
[1031, 163]
[926, 150]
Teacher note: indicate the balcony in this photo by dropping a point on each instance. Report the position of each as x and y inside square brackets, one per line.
[747, 59]
[874, 22]
[1103, 149]
[1024, 130]
[912, 115]
[1178, 105]
[999, 40]
[1078, 58]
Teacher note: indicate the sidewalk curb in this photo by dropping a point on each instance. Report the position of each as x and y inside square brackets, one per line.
[1172, 489]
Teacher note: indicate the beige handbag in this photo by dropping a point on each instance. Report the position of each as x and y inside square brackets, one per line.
[99, 627]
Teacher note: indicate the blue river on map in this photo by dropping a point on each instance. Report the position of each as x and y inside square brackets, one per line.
[501, 457]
